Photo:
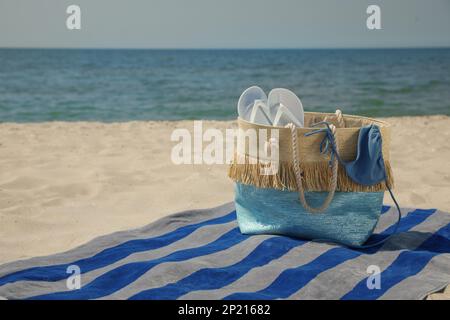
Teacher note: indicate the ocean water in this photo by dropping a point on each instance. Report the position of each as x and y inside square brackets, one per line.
[121, 85]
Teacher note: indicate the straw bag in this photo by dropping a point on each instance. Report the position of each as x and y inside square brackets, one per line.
[312, 193]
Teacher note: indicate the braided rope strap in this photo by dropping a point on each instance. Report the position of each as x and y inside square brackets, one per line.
[340, 118]
[298, 175]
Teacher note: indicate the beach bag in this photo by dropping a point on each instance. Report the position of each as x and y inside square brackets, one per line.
[328, 183]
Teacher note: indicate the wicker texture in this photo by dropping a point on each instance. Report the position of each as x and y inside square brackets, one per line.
[246, 167]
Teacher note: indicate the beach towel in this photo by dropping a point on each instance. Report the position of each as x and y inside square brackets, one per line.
[200, 254]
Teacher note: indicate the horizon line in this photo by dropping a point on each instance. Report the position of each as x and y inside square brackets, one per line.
[225, 48]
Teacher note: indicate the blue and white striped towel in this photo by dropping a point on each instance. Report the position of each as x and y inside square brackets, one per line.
[201, 254]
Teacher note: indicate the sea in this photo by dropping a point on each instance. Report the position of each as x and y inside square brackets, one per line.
[113, 85]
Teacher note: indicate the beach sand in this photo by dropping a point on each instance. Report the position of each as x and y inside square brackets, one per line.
[65, 183]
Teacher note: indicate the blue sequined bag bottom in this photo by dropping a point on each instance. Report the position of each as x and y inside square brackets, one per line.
[350, 219]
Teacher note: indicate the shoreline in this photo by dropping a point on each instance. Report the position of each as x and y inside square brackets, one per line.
[60, 122]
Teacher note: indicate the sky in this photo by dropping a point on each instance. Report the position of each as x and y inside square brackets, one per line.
[224, 24]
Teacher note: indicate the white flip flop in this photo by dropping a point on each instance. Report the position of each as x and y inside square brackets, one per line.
[285, 107]
[252, 106]
[260, 113]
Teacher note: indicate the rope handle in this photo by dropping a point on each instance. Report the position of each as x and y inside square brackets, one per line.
[298, 175]
[340, 118]
[334, 162]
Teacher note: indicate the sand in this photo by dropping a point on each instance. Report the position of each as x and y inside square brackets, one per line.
[64, 183]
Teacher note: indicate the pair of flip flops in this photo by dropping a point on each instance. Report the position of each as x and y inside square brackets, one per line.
[279, 108]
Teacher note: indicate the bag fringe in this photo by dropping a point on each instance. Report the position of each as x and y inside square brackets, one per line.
[316, 176]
